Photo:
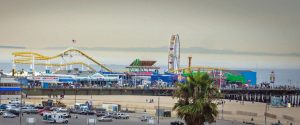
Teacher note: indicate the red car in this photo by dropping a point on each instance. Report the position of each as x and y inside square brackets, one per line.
[45, 109]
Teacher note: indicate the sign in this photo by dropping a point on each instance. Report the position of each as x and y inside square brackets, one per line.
[151, 122]
[30, 120]
[49, 79]
[91, 121]
[277, 102]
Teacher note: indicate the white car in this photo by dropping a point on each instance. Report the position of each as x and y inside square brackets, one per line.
[105, 119]
[2, 111]
[29, 110]
[121, 116]
[145, 118]
[15, 101]
[62, 109]
[8, 115]
[55, 118]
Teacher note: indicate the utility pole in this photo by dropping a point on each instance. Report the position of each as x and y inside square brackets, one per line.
[75, 95]
[20, 113]
[135, 80]
[158, 112]
[266, 112]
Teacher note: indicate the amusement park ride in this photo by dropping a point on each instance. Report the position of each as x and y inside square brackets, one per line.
[174, 54]
[33, 59]
[174, 58]
[138, 68]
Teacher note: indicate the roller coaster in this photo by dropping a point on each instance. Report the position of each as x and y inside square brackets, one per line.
[33, 57]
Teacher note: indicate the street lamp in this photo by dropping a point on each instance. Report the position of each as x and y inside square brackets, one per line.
[158, 99]
[20, 112]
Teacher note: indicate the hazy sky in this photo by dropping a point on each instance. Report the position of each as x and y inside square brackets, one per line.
[226, 33]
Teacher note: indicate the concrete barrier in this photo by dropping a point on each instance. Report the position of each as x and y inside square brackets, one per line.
[225, 112]
[269, 115]
[290, 118]
[246, 113]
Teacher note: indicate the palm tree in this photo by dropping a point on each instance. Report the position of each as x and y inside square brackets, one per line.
[195, 99]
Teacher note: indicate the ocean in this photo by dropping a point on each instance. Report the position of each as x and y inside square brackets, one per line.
[283, 76]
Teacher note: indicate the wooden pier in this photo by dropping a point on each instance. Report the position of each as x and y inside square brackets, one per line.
[255, 95]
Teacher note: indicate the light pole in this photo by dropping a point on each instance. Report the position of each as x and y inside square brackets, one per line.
[158, 99]
[266, 111]
[20, 113]
[134, 80]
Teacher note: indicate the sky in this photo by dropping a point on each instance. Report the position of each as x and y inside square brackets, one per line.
[223, 33]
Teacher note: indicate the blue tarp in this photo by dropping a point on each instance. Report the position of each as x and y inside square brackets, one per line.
[45, 85]
[170, 78]
[10, 89]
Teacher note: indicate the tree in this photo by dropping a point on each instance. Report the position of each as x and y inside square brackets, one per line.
[195, 99]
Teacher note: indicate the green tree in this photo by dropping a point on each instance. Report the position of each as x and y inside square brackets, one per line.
[196, 99]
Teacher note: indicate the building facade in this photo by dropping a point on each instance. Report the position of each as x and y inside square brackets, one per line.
[9, 89]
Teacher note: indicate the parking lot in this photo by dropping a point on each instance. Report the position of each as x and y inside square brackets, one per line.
[82, 120]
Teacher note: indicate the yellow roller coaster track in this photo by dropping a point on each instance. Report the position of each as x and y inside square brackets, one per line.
[26, 57]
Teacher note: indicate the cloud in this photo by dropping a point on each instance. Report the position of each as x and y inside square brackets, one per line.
[183, 50]
[12, 47]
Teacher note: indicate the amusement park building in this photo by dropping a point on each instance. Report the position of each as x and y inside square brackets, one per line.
[9, 88]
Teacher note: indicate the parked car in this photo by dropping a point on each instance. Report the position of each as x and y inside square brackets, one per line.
[45, 109]
[100, 113]
[15, 101]
[3, 106]
[2, 111]
[62, 109]
[15, 111]
[145, 118]
[75, 111]
[110, 114]
[54, 118]
[39, 106]
[8, 115]
[66, 115]
[105, 119]
[11, 107]
[121, 116]
[29, 110]
[87, 112]
[176, 123]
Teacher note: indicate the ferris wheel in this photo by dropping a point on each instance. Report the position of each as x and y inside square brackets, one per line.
[174, 53]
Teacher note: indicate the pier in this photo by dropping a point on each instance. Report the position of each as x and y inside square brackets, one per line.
[255, 95]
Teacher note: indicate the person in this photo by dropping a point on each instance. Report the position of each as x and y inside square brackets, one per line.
[146, 100]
